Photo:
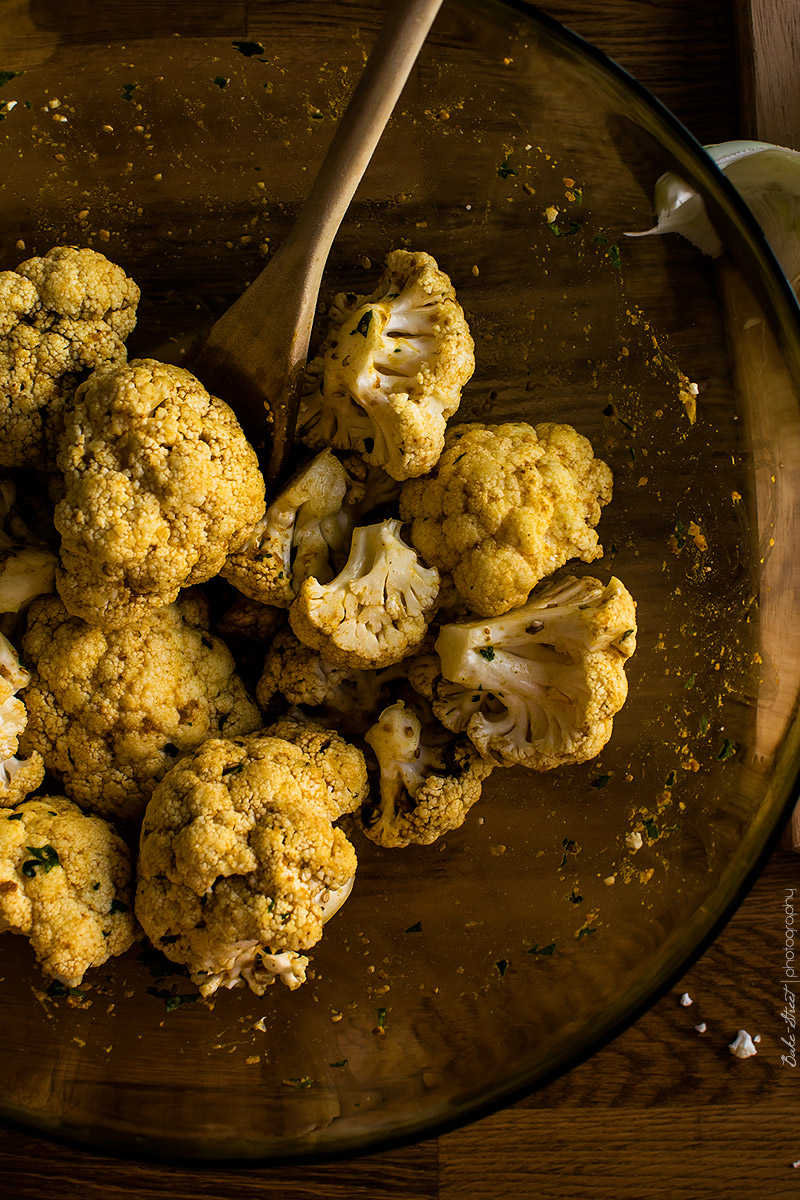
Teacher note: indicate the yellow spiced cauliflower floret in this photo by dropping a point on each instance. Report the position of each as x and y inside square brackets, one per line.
[65, 884]
[506, 506]
[61, 316]
[240, 864]
[110, 710]
[160, 485]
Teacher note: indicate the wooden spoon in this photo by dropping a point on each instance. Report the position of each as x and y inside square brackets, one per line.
[255, 353]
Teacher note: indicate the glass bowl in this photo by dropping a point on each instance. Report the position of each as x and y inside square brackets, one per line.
[462, 975]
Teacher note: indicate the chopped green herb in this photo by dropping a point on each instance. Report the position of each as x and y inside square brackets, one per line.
[487, 652]
[575, 897]
[415, 928]
[43, 856]
[505, 169]
[548, 950]
[249, 49]
[650, 828]
[342, 1063]
[570, 847]
[557, 231]
[690, 681]
[612, 254]
[727, 749]
[672, 779]
[171, 1002]
[628, 633]
[364, 323]
[271, 906]
[221, 82]
[7, 76]
[585, 930]
[381, 1018]
[128, 90]
[600, 782]
[299, 1084]
[502, 966]
[285, 917]
[117, 906]
[704, 724]
[56, 988]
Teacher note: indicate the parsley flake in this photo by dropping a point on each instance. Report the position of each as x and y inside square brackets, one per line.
[548, 950]
[727, 749]
[415, 928]
[487, 652]
[502, 966]
[43, 856]
[364, 323]
[249, 49]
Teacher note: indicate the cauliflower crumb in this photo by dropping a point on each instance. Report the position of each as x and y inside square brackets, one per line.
[685, 1000]
[742, 1045]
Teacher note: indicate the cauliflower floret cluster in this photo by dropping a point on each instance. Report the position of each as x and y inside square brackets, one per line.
[377, 609]
[27, 566]
[240, 863]
[369, 629]
[302, 530]
[428, 781]
[65, 884]
[505, 507]
[540, 686]
[391, 369]
[18, 776]
[350, 697]
[61, 316]
[160, 485]
[111, 710]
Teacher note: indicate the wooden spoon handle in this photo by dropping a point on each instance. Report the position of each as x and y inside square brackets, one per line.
[391, 59]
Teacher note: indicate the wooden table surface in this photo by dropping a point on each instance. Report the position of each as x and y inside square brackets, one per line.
[664, 1111]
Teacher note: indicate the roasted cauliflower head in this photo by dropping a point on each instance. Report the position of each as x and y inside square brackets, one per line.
[240, 864]
[61, 316]
[160, 485]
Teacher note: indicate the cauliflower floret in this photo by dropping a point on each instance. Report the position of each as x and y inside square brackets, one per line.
[27, 568]
[342, 765]
[110, 710]
[429, 780]
[18, 777]
[247, 626]
[376, 611]
[506, 506]
[61, 316]
[391, 369]
[239, 863]
[302, 677]
[65, 884]
[160, 486]
[540, 685]
[299, 533]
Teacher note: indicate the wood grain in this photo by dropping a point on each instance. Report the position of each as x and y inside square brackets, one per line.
[768, 33]
[768, 40]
